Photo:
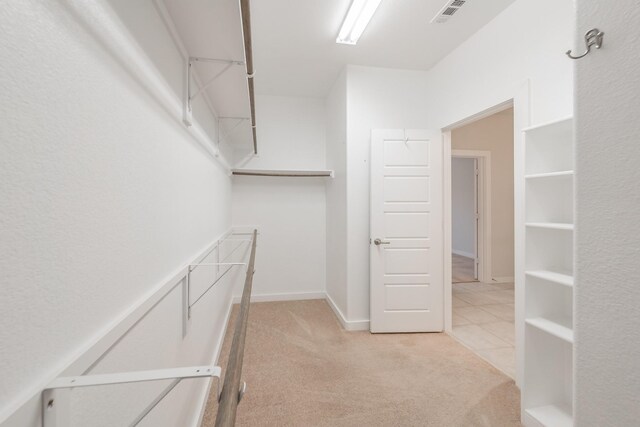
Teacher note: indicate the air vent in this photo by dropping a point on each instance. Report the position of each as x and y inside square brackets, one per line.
[447, 11]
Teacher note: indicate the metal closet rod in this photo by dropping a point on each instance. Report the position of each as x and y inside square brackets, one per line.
[232, 389]
[248, 53]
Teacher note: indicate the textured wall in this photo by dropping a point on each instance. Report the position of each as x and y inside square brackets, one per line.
[336, 110]
[607, 295]
[289, 212]
[104, 194]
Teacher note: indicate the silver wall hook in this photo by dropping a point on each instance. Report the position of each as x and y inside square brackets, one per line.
[593, 37]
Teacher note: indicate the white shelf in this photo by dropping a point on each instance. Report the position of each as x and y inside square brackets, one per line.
[284, 172]
[551, 225]
[552, 327]
[552, 415]
[552, 276]
[565, 123]
[549, 174]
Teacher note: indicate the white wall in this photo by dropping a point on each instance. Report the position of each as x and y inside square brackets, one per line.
[104, 195]
[289, 212]
[495, 134]
[377, 98]
[336, 193]
[524, 43]
[607, 295]
[463, 207]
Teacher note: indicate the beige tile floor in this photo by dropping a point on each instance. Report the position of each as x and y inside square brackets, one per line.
[483, 320]
[462, 269]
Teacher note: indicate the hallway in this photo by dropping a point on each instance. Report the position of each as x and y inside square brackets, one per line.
[484, 321]
[303, 369]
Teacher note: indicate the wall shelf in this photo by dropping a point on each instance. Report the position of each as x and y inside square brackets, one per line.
[568, 173]
[553, 327]
[552, 415]
[548, 278]
[551, 276]
[551, 225]
[322, 173]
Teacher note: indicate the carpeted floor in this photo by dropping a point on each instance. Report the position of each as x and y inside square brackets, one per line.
[303, 369]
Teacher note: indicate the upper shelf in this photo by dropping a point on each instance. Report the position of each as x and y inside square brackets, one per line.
[214, 35]
[283, 172]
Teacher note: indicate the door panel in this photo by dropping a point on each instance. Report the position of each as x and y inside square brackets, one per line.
[406, 215]
[407, 297]
[409, 189]
[406, 224]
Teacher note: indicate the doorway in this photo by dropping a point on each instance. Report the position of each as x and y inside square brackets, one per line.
[470, 216]
[482, 224]
[464, 219]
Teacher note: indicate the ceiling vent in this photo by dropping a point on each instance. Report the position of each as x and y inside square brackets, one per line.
[448, 10]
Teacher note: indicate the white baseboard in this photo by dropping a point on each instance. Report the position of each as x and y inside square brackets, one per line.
[293, 296]
[503, 279]
[349, 325]
[203, 398]
[463, 253]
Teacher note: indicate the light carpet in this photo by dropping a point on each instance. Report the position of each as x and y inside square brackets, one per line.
[303, 369]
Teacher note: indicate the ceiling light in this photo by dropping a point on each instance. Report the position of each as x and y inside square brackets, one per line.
[358, 17]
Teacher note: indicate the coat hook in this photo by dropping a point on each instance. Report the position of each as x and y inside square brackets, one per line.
[593, 37]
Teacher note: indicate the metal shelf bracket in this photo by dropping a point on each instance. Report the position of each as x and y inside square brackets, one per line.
[190, 97]
[55, 402]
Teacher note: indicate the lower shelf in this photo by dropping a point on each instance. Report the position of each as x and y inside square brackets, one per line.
[552, 327]
[552, 415]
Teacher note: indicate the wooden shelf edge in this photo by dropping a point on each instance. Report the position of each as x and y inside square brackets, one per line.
[551, 276]
[551, 327]
[558, 415]
[320, 173]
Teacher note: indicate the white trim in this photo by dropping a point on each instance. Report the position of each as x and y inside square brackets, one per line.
[348, 325]
[285, 296]
[503, 279]
[483, 159]
[463, 253]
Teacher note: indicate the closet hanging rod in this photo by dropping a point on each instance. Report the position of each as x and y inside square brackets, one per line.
[245, 13]
[284, 173]
[232, 390]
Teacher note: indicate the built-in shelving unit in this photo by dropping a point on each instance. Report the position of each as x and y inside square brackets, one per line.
[547, 388]
[284, 172]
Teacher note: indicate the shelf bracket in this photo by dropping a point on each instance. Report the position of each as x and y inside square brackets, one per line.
[240, 120]
[55, 402]
[190, 97]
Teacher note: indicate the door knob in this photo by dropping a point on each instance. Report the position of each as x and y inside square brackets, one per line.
[379, 242]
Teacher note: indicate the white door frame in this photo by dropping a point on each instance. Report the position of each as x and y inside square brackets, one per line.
[483, 232]
[519, 98]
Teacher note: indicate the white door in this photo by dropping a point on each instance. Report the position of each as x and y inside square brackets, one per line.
[406, 231]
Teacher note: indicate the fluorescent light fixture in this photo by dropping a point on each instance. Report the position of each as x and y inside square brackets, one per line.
[358, 17]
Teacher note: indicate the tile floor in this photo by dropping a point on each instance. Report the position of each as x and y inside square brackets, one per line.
[483, 320]
[462, 269]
